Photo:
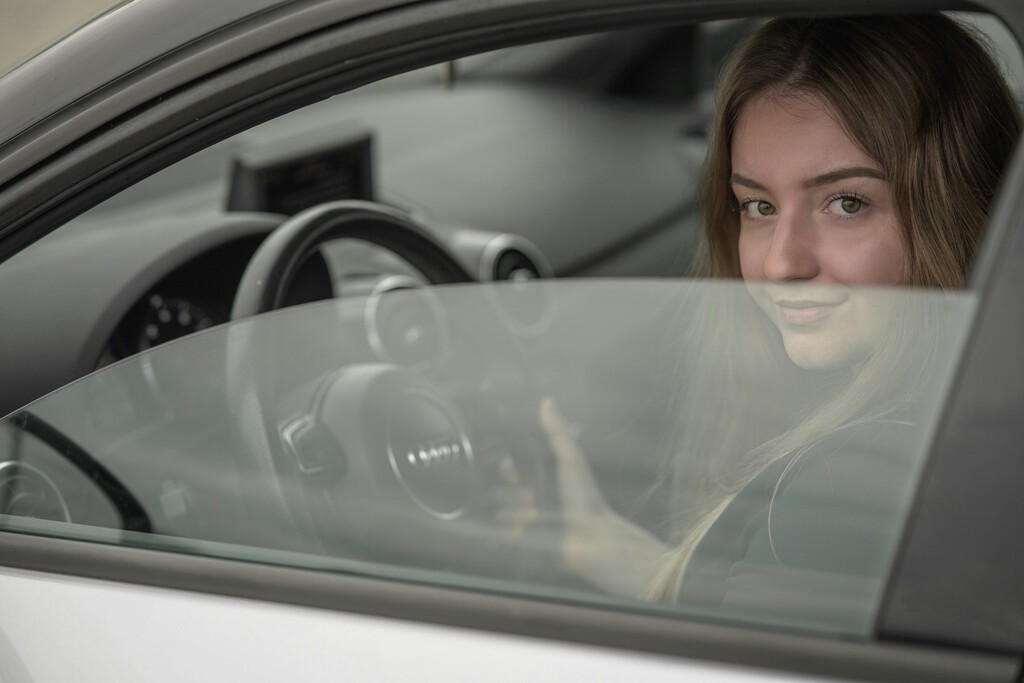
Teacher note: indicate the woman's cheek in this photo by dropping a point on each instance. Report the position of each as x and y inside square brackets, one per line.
[873, 256]
[752, 249]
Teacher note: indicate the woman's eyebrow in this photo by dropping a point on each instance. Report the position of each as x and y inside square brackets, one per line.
[817, 181]
[843, 174]
[737, 179]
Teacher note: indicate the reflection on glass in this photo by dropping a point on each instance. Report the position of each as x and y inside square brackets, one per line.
[789, 485]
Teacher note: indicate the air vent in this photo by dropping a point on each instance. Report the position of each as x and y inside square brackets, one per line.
[500, 256]
[514, 261]
[513, 264]
[405, 324]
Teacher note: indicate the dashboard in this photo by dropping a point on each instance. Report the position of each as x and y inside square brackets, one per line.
[525, 167]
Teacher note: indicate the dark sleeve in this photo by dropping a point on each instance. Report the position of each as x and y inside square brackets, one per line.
[810, 540]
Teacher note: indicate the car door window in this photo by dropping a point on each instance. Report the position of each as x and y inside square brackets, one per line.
[429, 404]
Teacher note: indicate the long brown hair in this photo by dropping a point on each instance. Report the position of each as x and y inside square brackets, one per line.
[921, 96]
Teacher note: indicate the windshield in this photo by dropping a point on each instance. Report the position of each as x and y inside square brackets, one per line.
[415, 434]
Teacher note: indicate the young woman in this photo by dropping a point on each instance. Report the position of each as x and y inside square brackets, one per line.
[844, 153]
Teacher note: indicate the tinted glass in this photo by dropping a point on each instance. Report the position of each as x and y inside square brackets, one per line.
[401, 435]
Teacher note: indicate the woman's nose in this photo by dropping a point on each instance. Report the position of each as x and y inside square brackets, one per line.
[792, 253]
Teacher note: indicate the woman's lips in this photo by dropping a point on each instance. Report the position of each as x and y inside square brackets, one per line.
[803, 311]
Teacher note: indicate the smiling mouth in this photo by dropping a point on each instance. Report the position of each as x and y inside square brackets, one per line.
[805, 312]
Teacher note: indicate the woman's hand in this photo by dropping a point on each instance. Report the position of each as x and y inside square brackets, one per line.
[599, 544]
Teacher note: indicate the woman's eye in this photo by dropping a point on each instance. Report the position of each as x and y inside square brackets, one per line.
[846, 205]
[758, 208]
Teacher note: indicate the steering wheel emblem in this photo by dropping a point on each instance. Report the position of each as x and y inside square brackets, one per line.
[430, 453]
[443, 450]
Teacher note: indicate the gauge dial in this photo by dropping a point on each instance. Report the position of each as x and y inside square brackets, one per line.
[167, 318]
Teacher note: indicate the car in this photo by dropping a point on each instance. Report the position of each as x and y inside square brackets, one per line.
[288, 289]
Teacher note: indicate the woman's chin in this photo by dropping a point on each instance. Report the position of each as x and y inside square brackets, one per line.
[810, 353]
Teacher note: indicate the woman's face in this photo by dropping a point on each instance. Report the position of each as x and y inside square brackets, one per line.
[816, 220]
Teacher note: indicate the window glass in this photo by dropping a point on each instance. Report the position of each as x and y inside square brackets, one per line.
[41, 479]
[401, 434]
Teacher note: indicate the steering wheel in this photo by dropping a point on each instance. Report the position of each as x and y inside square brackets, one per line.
[272, 269]
[378, 433]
